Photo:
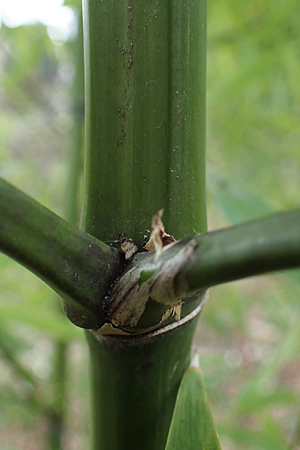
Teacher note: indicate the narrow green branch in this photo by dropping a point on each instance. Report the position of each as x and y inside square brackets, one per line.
[246, 250]
[76, 265]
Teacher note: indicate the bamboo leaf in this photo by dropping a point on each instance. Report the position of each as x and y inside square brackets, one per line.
[253, 395]
[50, 323]
[192, 426]
[238, 204]
[8, 351]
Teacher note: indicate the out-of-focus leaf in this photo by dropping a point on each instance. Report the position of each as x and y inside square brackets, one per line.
[192, 426]
[50, 323]
[253, 128]
[73, 3]
[6, 350]
[271, 438]
[260, 401]
[254, 392]
[238, 204]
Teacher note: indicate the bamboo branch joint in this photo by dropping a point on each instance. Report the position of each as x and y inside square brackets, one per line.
[150, 281]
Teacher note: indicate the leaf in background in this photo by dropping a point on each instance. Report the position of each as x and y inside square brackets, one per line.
[192, 426]
[238, 204]
[50, 323]
[270, 438]
[241, 204]
[8, 347]
[258, 392]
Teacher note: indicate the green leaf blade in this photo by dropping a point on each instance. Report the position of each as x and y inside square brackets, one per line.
[192, 426]
[238, 203]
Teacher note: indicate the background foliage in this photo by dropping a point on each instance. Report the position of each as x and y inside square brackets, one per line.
[248, 336]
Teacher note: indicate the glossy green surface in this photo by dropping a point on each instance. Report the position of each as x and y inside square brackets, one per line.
[246, 250]
[134, 386]
[145, 117]
[76, 265]
[192, 426]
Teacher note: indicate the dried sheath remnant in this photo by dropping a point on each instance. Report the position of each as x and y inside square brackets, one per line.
[158, 238]
[129, 298]
[127, 246]
[162, 287]
[127, 302]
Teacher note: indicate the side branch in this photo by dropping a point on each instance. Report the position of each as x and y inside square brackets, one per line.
[254, 248]
[76, 265]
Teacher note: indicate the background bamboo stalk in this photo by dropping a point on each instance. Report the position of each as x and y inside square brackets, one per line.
[60, 360]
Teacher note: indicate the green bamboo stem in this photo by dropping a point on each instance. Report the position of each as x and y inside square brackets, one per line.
[145, 117]
[135, 381]
[77, 266]
[145, 150]
[254, 248]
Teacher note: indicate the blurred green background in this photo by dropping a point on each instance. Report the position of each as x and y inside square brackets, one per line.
[248, 338]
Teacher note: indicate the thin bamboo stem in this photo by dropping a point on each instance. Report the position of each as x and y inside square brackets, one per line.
[76, 265]
[57, 417]
[254, 248]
